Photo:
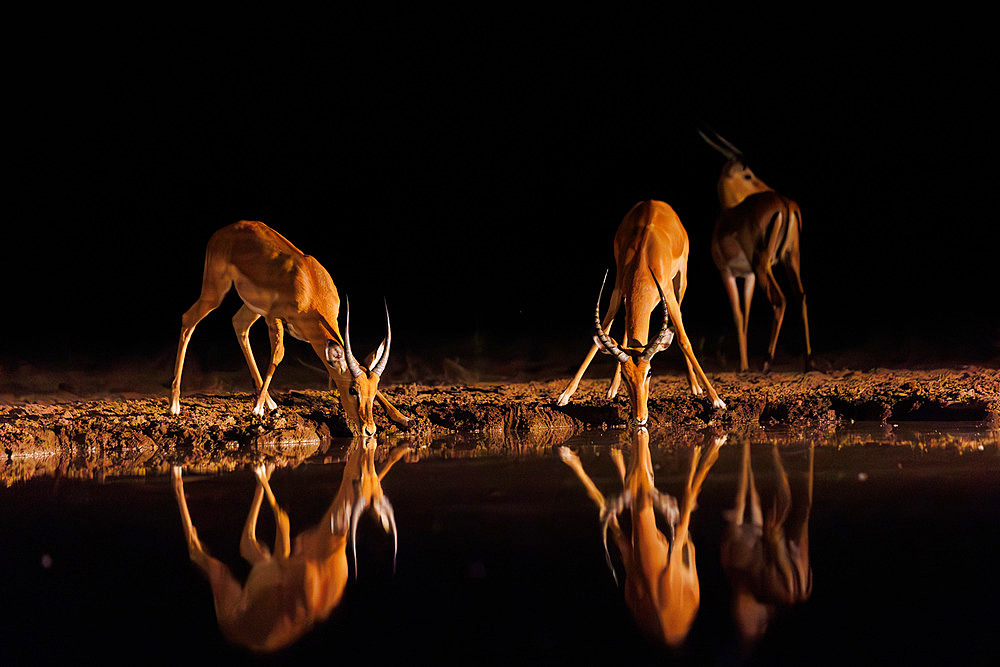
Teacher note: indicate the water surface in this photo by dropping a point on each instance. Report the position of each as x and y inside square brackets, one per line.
[500, 556]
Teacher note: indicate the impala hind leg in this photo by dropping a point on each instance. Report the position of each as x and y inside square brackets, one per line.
[613, 306]
[242, 321]
[793, 271]
[215, 284]
[777, 299]
[277, 334]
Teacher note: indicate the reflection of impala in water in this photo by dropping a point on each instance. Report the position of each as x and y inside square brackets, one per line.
[767, 563]
[301, 582]
[661, 574]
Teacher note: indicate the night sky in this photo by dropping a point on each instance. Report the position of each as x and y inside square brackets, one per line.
[474, 173]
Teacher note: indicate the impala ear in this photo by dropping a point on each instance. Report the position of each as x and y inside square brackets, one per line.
[335, 356]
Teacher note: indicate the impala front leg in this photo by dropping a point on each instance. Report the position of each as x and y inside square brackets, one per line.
[391, 412]
[567, 393]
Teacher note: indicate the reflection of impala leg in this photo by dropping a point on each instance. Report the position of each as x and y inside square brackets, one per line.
[242, 321]
[570, 458]
[616, 302]
[225, 589]
[214, 286]
[277, 331]
[251, 550]
[282, 537]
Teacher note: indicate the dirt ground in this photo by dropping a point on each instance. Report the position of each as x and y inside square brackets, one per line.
[130, 431]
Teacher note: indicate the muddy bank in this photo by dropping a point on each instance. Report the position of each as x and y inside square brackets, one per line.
[218, 431]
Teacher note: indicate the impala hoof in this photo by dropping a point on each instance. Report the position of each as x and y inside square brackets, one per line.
[719, 404]
[567, 455]
[563, 398]
[175, 409]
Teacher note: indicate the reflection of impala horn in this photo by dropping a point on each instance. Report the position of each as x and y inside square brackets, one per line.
[613, 508]
[383, 508]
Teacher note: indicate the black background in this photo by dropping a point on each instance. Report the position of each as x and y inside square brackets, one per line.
[473, 170]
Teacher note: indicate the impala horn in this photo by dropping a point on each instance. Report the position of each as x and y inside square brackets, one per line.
[380, 364]
[600, 336]
[352, 363]
[666, 336]
[727, 149]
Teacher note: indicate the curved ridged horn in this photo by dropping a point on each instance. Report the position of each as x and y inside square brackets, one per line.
[731, 152]
[600, 335]
[352, 363]
[666, 336]
[380, 364]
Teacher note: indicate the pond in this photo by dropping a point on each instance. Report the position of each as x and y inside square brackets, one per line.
[866, 544]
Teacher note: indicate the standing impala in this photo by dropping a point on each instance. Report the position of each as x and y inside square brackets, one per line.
[651, 248]
[290, 290]
[299, 584]
[661, 575]
[756, 229]
[766, 561]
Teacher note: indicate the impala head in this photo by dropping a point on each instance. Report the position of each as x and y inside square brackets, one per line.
[361, 489]
[364, 380]
[635, 361]
[737, 181]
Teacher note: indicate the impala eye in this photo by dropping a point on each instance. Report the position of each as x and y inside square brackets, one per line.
[352, 391]
[649, 373]
[748, 176]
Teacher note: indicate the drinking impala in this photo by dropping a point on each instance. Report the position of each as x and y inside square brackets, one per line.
[651, 249]
[292, 291]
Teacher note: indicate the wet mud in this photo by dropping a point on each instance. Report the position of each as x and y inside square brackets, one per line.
[133, 434]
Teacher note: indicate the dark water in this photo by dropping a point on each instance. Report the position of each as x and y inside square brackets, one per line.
[500, 558]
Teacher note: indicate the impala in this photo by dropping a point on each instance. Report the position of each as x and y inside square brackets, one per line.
[299, 584]
[661, 575]
[292, 291]
[757, 228]
[651, 248]
[767, 563]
